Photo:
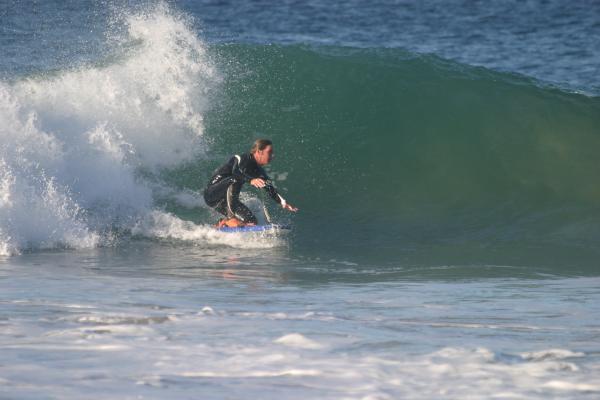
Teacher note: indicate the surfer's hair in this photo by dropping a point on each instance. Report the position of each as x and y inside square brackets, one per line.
[260, 144]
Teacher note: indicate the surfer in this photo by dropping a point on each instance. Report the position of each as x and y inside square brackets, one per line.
[223, 190]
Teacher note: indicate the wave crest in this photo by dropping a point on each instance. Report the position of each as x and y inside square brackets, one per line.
[74, 142]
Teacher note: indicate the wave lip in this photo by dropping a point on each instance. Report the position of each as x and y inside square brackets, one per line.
[76, 143]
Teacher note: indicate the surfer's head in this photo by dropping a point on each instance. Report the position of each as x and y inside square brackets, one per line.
[262, 150]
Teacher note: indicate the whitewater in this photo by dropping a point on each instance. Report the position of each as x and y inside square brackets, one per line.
[447, 240]
[74, 142]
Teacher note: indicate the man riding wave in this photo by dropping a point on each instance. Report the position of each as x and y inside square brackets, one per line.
[223, 190]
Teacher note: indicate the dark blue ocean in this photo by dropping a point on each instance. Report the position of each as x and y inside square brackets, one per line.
[443, 154]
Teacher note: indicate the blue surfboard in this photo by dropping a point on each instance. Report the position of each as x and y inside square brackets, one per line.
[270, 228]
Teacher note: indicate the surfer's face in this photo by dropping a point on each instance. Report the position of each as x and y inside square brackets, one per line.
[264, 156]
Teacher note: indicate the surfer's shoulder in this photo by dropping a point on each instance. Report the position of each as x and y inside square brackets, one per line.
[247, 157]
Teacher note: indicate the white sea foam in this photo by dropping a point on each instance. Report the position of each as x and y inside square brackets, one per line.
[569, 386]
[298, 340]
[206, 310]
[550, 354]
[192, 335]
[162, 225]
[72, 144]
[188, 199]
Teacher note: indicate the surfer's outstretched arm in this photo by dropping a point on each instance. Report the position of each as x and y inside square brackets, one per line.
[269, 188]
[265, 183]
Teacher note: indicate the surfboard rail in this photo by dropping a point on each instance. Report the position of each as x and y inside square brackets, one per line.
[272, 228]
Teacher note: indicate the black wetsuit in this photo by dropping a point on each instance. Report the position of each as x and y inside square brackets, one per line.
[223, 190]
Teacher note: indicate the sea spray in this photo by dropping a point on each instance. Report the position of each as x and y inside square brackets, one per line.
[160, 225]
[74, 141]
[36, 208]
[154, 93]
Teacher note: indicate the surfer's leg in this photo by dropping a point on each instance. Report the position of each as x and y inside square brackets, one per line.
[239, 211]
[215, 194]
[221, 207]
[224, 198]
[243, 213]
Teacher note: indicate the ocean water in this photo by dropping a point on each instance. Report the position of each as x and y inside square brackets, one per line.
[443, 156]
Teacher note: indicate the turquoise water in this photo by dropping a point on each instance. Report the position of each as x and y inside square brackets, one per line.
[443, 158]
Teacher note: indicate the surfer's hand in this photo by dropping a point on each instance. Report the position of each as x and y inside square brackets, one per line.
[258, 182]
[290, 207]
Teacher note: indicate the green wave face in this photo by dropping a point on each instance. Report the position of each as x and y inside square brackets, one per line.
[383, 147]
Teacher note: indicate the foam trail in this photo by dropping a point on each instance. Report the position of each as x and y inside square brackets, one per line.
[158, 224]
[73, 142]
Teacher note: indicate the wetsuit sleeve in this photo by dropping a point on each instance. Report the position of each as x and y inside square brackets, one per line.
[269, 188]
